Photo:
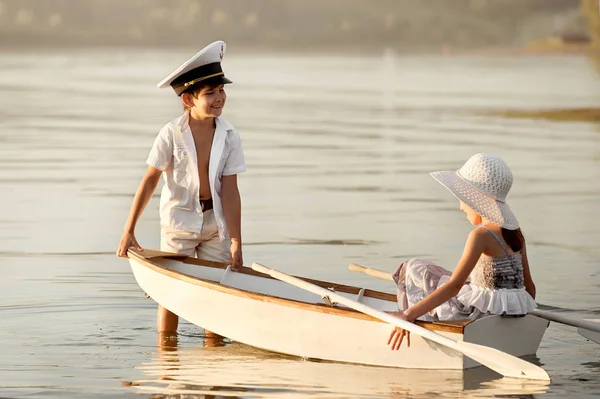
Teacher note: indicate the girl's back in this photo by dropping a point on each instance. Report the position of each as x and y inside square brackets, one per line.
[498, 267]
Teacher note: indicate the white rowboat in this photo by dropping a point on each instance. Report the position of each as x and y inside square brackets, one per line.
[257, 310]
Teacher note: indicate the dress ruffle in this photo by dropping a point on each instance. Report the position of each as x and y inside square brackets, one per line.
[486, 301]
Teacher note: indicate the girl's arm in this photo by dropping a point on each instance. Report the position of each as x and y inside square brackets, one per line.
[529, 285]
[141, 199]
[474, 247]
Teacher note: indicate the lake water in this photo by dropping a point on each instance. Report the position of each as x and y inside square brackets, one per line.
[338, 150]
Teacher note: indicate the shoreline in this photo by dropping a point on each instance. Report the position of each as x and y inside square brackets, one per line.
[443, 50]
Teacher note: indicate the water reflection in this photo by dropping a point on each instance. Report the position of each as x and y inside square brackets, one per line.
[238, 371]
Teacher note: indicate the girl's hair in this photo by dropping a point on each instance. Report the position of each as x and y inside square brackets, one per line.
[514, 239]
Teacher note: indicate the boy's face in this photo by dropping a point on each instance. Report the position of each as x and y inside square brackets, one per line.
[208, 102]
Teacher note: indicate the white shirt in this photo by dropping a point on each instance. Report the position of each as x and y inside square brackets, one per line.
[174, 152]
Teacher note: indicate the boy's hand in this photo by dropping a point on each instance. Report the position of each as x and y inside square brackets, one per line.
[235, 254]
[127, 241]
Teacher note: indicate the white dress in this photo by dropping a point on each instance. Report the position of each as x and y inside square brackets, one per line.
[496, 286]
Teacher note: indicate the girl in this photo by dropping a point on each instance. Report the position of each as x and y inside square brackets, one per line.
[494, 256]
[199, 154]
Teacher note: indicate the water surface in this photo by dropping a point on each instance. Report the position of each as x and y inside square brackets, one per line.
[338, 151]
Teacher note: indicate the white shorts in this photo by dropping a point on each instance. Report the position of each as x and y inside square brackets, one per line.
[203, 245]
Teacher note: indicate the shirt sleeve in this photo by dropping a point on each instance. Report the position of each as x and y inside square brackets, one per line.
[235, 160]
[162, 151]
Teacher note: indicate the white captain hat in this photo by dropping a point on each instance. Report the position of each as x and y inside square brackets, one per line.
[204, 67]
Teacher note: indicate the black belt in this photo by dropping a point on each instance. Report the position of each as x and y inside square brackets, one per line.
[206, 204]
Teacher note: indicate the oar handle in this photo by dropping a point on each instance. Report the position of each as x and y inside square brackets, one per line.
[371, 272]
[260, 268]
[323, 292]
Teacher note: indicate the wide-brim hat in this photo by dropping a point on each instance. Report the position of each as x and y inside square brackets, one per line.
[204, 67]
[483, 183]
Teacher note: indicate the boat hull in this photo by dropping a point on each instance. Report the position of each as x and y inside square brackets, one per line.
[249, 309]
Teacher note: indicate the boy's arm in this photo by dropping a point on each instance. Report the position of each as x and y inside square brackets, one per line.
[232, 210]
[141, 199]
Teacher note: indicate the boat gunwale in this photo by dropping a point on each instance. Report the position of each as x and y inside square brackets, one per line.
[456, 327]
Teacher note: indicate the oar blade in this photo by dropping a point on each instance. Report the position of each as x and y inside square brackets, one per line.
[503, 363]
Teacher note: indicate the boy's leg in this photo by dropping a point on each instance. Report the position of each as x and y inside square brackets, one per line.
[214, 250]
[181, 242]
[211, 248]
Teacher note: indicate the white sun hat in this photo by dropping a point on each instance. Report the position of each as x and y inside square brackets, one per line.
[482, 183]
[204, 66]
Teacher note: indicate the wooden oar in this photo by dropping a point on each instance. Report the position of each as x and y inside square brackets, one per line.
[503, 363]
[371, 272]
[588, 329]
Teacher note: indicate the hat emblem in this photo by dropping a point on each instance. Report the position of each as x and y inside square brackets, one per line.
[221, 53]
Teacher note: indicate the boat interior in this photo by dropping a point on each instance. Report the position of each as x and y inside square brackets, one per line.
[249, 281]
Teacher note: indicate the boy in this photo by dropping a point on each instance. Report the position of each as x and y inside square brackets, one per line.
[199, 154]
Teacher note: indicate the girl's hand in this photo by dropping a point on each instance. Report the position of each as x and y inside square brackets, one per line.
[127, 241]
[235, 258]
[398, 334]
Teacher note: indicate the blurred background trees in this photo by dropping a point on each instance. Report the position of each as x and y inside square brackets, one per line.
[300, 24]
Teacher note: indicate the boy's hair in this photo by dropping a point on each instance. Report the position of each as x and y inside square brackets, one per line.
[194, 91]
